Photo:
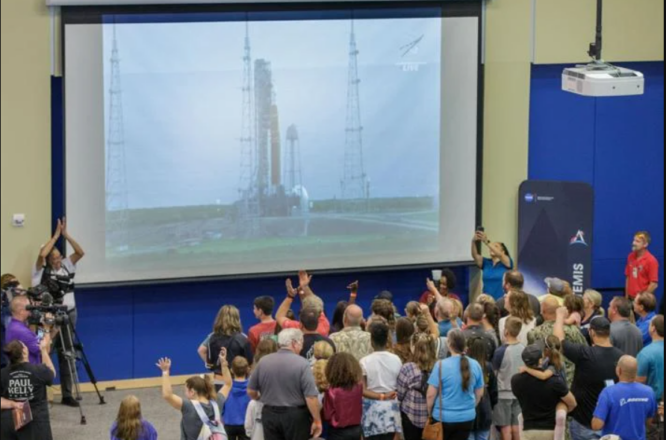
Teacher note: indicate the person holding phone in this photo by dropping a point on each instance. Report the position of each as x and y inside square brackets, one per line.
[494, 268]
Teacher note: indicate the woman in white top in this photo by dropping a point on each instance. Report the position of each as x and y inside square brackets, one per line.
[518, 305]
[381, 409]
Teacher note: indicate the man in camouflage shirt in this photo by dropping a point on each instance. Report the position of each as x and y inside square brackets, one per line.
[549, 312]
[353, 339]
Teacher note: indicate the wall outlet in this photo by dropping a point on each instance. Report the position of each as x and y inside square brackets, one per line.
[18, 220]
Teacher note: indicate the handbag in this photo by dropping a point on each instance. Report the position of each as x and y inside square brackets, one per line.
[435, 430]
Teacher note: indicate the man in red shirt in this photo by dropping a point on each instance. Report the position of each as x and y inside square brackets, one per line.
[263, 311]
[642, 270]
[308, 300]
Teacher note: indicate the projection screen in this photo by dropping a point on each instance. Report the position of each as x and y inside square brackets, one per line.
[221, 141]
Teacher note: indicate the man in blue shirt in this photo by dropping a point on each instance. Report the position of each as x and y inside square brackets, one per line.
[651, 359]
[645, 307]
[626, 408]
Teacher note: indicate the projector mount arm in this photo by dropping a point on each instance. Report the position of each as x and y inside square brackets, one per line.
[596, 48]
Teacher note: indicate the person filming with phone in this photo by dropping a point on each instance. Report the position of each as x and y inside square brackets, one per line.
[494, 268]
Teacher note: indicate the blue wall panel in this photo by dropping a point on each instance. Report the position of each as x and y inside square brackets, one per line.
[128, 328]
[617, 145]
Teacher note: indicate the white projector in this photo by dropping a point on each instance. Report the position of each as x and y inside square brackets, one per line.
[603, 80]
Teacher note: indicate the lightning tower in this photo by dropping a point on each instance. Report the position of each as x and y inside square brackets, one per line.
[354, 182]
[249, 207]
[117, 205]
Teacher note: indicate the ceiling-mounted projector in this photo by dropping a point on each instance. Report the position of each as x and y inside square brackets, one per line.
[600, 79]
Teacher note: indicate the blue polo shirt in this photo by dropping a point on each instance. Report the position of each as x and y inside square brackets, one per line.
[624, 408]
[493, 277]
[651, 365]
[644, 325]
[445, 327]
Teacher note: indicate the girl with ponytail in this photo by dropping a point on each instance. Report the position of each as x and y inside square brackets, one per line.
[201, 409]
[461, 381]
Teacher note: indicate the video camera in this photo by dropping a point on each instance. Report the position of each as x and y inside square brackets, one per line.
[38, 312]
[58, 285]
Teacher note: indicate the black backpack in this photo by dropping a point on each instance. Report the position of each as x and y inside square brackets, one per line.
[218, 342]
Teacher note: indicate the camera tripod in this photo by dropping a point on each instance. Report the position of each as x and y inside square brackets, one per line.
[70, 351]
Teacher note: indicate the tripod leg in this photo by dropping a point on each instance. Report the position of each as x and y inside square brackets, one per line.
[71, 365]
[88, 368]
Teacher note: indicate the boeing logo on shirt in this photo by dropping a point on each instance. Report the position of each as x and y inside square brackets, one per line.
[579, 238]
[624, 402]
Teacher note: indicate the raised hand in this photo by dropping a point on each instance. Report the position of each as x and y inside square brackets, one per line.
[290, 288]
[58, 230]
[164, 364]
[353, 287]
[430, 284]
[563, 312]
[425, 309]
[65, 232]
[223, 358]
[304, 279]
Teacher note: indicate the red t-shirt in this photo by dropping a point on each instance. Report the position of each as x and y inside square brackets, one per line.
[324, 327]
[641, 272]
[260, 332]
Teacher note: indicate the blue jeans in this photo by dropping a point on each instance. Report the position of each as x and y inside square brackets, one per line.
[580, 432]
[479, 435]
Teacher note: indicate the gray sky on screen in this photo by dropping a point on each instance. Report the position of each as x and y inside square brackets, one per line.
[182, 100]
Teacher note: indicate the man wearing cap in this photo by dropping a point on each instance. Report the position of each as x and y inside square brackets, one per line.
[595, 370]
[539, 399]
[557, 289]
[549, 312]
[642, 269]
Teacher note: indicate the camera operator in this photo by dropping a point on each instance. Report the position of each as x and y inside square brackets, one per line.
[58, 273]
[19, 330]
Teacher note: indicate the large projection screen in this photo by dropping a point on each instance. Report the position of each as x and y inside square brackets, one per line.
[228, 142]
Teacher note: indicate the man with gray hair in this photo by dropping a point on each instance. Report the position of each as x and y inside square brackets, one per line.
[308, 301]
[352, 339]
[284, 383]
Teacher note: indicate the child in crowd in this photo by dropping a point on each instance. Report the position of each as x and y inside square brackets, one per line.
[129, 424]
[554, 367]
[576, 306]
[323, 351]
[413, 310]
[253, 426]
[507, 363]
[235, 408]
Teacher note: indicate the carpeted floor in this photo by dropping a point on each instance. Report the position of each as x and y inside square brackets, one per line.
[66, 422]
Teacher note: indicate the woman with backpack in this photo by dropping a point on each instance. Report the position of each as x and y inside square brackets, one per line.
[413, 385]
[201, 409]
[228, 334]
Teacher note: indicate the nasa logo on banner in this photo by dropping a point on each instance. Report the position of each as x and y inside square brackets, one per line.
[555, 234]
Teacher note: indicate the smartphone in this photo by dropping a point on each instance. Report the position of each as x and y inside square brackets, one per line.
[480, 229]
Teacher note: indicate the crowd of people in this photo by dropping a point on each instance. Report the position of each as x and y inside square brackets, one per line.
[507, 366]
